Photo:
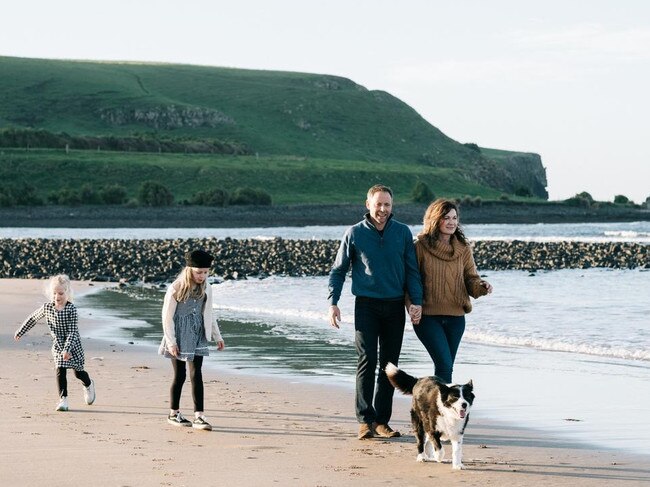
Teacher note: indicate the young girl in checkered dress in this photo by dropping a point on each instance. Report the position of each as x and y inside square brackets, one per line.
[188, 325]
[62, 320]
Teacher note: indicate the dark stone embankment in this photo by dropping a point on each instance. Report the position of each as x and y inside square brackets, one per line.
[161, 260]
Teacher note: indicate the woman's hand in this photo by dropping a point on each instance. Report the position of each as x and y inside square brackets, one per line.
[173, 350]
[16, 337]
[487, 286]
[220, 345]
[415, 312]
[66, 355]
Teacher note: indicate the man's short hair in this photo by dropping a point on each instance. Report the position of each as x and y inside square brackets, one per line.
[379, 188]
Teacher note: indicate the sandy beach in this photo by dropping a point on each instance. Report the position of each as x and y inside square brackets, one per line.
[267, 431]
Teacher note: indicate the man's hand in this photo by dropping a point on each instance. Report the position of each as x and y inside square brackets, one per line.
[335, 316]
[415, 312]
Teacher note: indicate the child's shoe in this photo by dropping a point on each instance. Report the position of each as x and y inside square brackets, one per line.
[89, 393]
[178, 420]
[63, 404]
[201, 424]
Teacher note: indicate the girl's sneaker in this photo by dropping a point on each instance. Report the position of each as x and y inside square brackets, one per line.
[178, 420]
[89, 393]
[201, 424]
[63, 404]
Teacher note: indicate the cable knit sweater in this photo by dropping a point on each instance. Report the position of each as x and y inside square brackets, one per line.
[449, 277]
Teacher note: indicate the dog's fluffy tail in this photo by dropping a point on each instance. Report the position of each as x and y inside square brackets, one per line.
[400, 379]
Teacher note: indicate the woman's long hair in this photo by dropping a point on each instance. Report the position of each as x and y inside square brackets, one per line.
[434, 215]
[188, 288]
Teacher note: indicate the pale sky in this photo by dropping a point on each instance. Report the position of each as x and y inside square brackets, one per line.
[566, 79]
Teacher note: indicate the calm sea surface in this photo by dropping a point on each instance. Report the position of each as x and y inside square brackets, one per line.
[588, 232]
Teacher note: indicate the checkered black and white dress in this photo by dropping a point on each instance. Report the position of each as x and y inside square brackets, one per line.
[64, 329]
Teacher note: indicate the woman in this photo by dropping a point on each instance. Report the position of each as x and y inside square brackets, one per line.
[449, 278]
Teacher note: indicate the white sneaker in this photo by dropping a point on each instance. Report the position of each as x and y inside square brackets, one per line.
[89, 393]
[63, 404]
[201, 423]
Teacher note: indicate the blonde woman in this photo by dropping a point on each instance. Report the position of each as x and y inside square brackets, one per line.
[449, 278]
[188, 326]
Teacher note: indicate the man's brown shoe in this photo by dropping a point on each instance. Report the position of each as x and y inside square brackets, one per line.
[385, 431]
[365, 431]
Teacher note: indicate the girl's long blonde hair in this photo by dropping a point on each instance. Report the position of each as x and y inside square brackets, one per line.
[59, 280]
[187, 287]
[434, 215]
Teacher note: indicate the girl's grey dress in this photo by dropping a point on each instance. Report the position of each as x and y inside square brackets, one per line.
[190, 334]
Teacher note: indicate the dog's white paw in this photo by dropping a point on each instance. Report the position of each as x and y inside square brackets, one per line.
[438, 455]
[422, 458]
[458, 466]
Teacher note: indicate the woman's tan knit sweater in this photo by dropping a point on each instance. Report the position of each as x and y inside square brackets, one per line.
[449, 277]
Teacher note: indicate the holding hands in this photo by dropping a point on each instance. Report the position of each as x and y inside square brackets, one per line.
[415, 313]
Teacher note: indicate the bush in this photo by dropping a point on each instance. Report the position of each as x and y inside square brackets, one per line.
[89, 196]
[6, 198]
[523, 192]
[25, 195]
[65, 196]
[472, 146]
[153, 193]
[583, 200]
[113, 194]
[504, 197]
[250, 196]
[212, 197]
[422, 193]
[619, 199]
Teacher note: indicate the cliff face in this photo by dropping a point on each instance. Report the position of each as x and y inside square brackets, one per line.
[515, 172]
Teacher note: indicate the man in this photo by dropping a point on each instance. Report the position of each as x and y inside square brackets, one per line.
[381, 253]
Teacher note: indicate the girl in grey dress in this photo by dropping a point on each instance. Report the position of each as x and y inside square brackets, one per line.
[188, 326]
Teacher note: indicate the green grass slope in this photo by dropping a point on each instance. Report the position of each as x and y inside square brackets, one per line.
[287, 180]
[271, 113]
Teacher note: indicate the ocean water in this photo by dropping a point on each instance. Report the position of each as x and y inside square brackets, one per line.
[586, 232]
[566, 351]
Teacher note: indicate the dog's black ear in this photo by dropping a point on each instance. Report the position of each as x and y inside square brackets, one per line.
[470, 385]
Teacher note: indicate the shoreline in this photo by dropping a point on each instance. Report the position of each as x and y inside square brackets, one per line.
[297, 215]
[267, 431]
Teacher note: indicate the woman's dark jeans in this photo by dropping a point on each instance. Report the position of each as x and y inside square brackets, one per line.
[441, 336]
[377, 322]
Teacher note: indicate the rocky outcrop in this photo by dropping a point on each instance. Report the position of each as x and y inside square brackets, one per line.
[161, 260]
[166, 117]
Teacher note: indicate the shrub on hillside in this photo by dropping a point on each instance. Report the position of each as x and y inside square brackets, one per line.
[25, 195]
[583, 200]
[65, 196]
[6, 198]
[211, 197]
[113, 194]
[619, 199]
[422, 193]
[250, 196]
[89, 196]
[153, 193]
[473, 146]
[523, 192]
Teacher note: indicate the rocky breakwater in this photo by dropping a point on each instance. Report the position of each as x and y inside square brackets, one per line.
[161, 260]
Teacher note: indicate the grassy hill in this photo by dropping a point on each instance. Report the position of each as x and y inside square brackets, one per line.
[316, 124]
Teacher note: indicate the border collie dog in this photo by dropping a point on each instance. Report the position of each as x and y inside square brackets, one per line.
[439, 411]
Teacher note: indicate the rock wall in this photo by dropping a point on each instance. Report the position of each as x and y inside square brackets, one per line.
[161, 260]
